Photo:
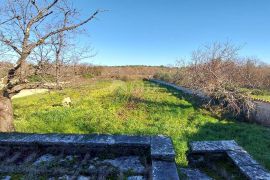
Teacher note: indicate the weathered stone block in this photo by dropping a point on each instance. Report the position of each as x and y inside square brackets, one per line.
[132, 140]
[162, 148]
[162, 170]
[255, 172]
[213, 146]
[241, 158]
[65, 139]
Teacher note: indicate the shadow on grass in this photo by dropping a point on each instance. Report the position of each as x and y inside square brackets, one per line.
[195, 101]
[130, 98]
[156, 103]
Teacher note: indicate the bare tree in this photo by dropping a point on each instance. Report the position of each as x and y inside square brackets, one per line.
[34, 24]
[58, 45]
[42, 58]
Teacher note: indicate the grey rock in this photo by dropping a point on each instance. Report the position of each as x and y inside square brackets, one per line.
[83, 178]
[194, 174]
[67, 159]
[106, 170]
[127, 163]
[45, 159]
[92, 167]
[7, 178]
[65, 177]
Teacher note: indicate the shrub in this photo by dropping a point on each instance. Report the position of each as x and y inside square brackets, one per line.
[164, 76]
[257, 92]
[215, 71]
[87, 76]
[40, 78]
[125, 78]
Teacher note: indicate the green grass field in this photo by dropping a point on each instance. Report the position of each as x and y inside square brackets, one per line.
[135, 107]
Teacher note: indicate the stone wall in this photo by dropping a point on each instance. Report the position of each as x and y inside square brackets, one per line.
[260, 114]
[216, 155]
[88, 156]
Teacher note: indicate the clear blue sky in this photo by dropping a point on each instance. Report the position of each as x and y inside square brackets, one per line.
[157, 32]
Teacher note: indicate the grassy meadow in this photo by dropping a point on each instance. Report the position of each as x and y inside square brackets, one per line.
[135, 107]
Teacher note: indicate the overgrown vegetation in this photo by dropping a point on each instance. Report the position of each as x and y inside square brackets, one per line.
[221, 74]
[135, 107]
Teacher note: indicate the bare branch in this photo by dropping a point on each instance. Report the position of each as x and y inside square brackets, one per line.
[10, 44]
[33, 2]
[69, 28]
[15, 17]
[52, 4]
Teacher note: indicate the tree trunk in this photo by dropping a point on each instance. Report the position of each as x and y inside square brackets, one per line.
[57, 73]
[6, 114]
[19, 70]
[6, 110]
[23, 70]
[57, 70]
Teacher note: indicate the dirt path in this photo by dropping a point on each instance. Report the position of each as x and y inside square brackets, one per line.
[28, 92]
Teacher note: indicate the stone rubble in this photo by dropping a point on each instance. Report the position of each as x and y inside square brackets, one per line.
[45, 159]
[127, 163]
